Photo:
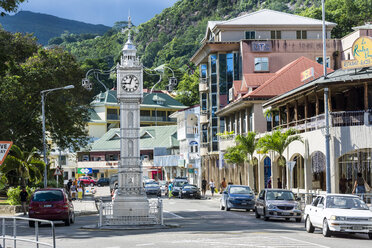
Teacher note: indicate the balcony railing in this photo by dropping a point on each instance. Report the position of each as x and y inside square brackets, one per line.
[226, 141]
[112, 117]
[204, 148]
[204, 118]
[158, 118]
[193, 130]
[349, 118]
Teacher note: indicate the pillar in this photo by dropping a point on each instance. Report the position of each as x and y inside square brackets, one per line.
[365, 96]
[316, 104]
[287, 108]
[296, 111]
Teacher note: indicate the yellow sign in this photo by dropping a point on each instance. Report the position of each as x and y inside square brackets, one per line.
[362, 53]
[307, 74]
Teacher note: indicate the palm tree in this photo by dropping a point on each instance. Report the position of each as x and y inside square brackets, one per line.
[26, 165]
[248, 145]
[278, 141]
[234, 155]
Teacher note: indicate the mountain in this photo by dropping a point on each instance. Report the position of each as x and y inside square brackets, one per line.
[46, 27]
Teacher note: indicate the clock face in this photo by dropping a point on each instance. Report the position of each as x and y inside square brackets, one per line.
[130, 83]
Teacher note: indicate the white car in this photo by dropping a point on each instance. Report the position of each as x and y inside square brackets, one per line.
[338, 213]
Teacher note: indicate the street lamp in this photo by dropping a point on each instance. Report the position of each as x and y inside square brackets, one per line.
[43, 95]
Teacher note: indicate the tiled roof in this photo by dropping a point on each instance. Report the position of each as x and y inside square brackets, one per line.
[155, 136]
[287, 78]
[255, 79]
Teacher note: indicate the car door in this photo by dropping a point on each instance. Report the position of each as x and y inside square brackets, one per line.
[318, 212]
[260, 202]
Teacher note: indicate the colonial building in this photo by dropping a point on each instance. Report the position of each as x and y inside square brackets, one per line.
[242, 49]
[155, 111]
[103, 155]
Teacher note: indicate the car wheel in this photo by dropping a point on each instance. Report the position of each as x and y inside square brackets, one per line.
[226, 207]
[266, 218]
[31, 223]
[67, 221]
[256, 213]
[72, 220]
[91, 184]
[287, 219]
[298, 220]
[370, 235]
[326, 231]
[221, 206]
[309, 226]
[98, 184]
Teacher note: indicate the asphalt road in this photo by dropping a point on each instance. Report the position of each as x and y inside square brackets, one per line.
[201, 224]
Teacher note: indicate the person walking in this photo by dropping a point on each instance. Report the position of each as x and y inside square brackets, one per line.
[212, 186]
[360, 186]
[23, 195]
[223, 185]
[170, 188]
[204, 186]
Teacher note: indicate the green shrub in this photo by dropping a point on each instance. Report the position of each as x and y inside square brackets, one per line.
[13, 195]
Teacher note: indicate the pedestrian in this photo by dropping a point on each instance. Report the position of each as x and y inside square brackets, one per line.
[69, 184]
[223, 185]
[269, 183]
[360, 185]
[73, 191]
[80, 192]
[279, 183]
[212, 186]
[170, 188]
[204, 186]
[23, 195]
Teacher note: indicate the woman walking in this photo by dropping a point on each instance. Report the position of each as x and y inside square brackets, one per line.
[212, 186]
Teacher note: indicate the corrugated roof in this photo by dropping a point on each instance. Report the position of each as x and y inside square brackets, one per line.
[155, 136]
[94, 117]
[287, 78]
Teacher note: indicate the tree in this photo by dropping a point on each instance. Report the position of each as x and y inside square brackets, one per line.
[188, 89]
[28, 70]
[234, 155]
[277, 142]
[26, 165]
[9, 5]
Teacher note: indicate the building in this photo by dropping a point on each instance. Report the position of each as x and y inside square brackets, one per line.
[188, 135]
[155, 111]
[103, 155]
[250, 48]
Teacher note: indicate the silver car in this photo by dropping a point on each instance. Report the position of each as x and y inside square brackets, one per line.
[277, 203]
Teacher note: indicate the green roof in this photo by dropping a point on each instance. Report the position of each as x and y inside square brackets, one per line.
[150, 137]
[94, 116]
[153, 100]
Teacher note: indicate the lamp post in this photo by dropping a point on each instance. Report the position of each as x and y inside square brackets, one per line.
[43, 95]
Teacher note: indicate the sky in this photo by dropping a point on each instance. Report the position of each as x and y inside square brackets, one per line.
[105, 12]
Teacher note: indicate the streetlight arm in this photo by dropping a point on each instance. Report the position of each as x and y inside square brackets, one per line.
[156, 84]
[60, 88]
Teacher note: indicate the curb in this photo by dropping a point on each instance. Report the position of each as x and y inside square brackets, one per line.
[95, 227]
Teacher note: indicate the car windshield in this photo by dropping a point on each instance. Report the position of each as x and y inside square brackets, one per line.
[152, 185]
[179, 183]
[346, 202]
[50, 195]
[280, 195]
[189, 187]
[240, 190]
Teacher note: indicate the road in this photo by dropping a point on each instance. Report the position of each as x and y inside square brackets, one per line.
[201, 224]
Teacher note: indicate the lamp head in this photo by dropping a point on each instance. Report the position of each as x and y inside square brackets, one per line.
[68, 87]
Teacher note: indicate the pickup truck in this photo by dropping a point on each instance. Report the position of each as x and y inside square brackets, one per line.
[338, 213]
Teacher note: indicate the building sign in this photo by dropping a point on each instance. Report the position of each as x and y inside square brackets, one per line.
[261, 46]
[307, 74]
[84, 170]
[362, 53]
[4, 149]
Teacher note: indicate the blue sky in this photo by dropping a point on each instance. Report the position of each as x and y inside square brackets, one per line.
[105, 12]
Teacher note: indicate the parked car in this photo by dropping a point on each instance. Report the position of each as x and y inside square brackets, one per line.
[178, 183]
[51, 204]
[237, 196]
[153, 188]
[103, 181]
[113, 182]
[338, 213]
[277, 203]
[163, 186]
[87, 180]
[190, 191]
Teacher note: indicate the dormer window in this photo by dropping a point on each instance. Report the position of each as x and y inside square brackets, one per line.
[250, 35]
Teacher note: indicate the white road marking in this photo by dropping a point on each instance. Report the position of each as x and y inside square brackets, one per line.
[148, 244]
[175, 215]
[310, 243]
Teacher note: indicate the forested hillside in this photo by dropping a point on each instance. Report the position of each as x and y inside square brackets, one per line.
[46, 27]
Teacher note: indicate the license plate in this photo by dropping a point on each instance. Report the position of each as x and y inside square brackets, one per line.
[47, 206]
[357, 228]
[284, 213]
[191, 194]
[244, 203]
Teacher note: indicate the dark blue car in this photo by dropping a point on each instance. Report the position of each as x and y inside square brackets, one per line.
[238, 197]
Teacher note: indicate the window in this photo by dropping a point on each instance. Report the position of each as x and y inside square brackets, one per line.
[204, 101]
[320, 60]
[62, 160]
[250, 35]
[203, 71]
[261, 64]
[145, 112]
[112, 114]
[301, 34]
[276, 34]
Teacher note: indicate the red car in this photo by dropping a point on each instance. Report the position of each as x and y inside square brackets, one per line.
[88, 181]
[51, 204]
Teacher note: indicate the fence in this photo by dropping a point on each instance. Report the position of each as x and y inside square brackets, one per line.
[154, 217]
[5, 222]
[347, 118]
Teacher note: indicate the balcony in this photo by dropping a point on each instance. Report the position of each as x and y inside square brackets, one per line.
[203, 85]
[193, 131]
[204, 149]
[226, 141]
[157, 119]
[204, 117]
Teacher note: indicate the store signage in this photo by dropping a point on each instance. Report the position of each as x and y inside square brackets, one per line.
[84, 170]
[362, 53]
[261, 46]
[307, 74]
[4, 149]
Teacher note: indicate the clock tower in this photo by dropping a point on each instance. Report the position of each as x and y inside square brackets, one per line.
[131, 201]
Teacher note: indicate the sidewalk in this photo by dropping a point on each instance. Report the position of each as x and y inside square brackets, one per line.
[85, 207]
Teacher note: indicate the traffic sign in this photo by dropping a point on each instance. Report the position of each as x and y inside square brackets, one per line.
[58, 172]
[4, 149]
[84, 170]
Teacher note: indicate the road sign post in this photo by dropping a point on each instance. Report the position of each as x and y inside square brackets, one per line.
[4, 149]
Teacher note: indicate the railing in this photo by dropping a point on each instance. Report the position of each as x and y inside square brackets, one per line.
[157, 118]
[192, 130]
[112, 117]
[13, 226]
[154, 216]
[347, 118]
